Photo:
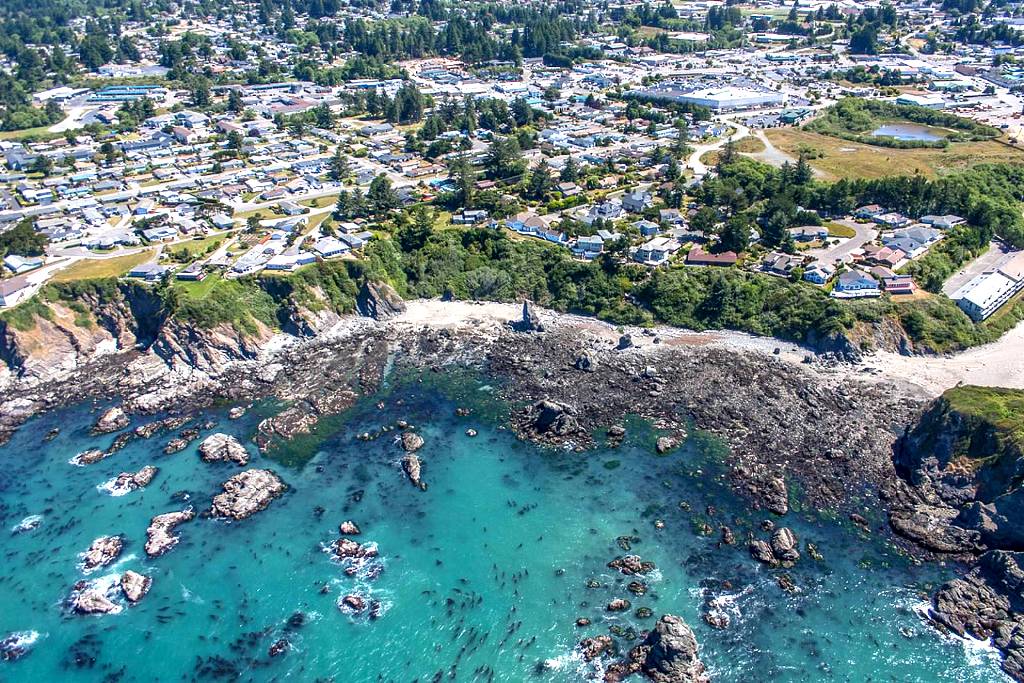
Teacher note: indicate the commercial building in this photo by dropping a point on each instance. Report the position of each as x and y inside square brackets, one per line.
[988, 292]
[722, 98]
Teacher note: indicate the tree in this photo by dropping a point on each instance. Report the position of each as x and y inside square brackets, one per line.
[505, 158]
[339, 166]
[43, 165]
[864, 41]
[802, 173]
[540, 182]
[735, 235]
[381, 196]
[704, 220]
[199, 91]
[235, 101]
[413, 235]
[461, 173]
[22, 240]
[324, 116]
[571, 171]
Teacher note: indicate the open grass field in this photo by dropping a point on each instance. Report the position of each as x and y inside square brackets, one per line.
[747, 145]
[845, 159]
[89, 269]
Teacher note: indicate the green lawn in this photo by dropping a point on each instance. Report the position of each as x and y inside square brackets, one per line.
[840, 230]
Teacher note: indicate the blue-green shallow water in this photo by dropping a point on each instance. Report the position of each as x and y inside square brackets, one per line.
[475, 556]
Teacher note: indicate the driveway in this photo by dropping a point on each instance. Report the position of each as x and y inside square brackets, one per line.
[865, 232]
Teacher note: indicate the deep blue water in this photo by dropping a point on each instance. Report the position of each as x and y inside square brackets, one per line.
[487, 570]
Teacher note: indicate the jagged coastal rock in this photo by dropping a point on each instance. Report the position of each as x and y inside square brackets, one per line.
[160, 535]
[413, 468]
[223, 448]
[411, 442]
[529, 321]
[349, 528]
[102, 552]
[111, 421]
[135, 585]
[126, 482]
[92, 600]
[89, 457]
[379, 301]
[668, 654]
[631, 565]
[247, 493]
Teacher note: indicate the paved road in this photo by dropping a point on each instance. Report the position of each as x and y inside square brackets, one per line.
[998, 253]
[699, 167]
[865, 232]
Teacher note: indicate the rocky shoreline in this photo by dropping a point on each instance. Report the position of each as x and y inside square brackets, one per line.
[790, 427]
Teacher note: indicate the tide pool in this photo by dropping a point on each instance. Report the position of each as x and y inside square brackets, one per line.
[484, 573]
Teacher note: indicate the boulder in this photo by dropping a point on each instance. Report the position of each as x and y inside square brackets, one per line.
[665, 444]
[111, 421]
[352, 604]
[223, 448]
[585, 361]
[378, 300]
[631, 565]
[554, 418]
[236, 412]
[618, 605]
[625, 342]
[247, 493]
[592, 648]
[102, 552]
[762, 552]
[785, 547]
[16, 645]
[349, 528]
[135, 585]
[159, 536]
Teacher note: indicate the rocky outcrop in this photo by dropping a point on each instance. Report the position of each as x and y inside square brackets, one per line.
[592, 648]
[102, 552]
[112, 420]
[349, 528]
[247, 493]
[413, 468]
[223, 448]
[411, 442]
[665, 444]
[551, 421]
[986, 604]
[16, 645]
[160, 535]
[354, 556]
[126, 482]
[89, 457]
[668, 654]
[92, 600]
[631, 565]
[529, 321]
[135, 585]
[379, 301]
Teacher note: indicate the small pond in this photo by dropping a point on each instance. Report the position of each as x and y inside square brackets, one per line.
[906, 131]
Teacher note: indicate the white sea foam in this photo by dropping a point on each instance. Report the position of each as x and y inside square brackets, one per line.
[109, 487]
[27, 524]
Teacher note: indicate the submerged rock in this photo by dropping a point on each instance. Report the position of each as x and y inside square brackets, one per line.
[223, 448]
[159, 535]
[665, 444]
[247, 493]
[352, 604]
[16, 645]
[236, 412]
[111, 421]
[279, 647]
[135, 585]
[592, 648]
[102, 552]
[618, 605]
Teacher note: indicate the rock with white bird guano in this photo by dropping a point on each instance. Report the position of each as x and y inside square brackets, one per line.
[223, 448]
[160, 535]
[135, 586]
[111, 421]
[102, 552]
[247, 493]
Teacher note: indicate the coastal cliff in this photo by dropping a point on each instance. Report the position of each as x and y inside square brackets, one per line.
[960, 493]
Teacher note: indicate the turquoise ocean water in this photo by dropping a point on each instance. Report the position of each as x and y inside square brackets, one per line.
[484, 574]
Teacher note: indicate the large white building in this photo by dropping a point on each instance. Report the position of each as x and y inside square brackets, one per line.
[722, 98]
[988, 292]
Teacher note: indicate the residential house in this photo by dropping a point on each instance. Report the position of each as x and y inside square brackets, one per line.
[699, 257]
[470, 217]
[899, 284]
[637, 201]
[781, 264]
[588, 247]
[568, 189]
[647, 228]
[854, 284]
[150, 272]
[656, 251]
[330, 247]
[943, 222]
[819, 273]
[809, 233]
[869, 212]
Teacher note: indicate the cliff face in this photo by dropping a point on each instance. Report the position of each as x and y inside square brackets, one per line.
[89, 323]
[965, 455]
